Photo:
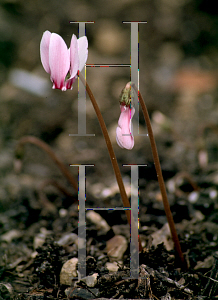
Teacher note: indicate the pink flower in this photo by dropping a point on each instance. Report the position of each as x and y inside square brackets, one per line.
[58, 60]
[124, 131]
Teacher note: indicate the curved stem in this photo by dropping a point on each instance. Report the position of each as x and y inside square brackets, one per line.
[114, 162]
[49, 151]
[47, 204]
[160, 177]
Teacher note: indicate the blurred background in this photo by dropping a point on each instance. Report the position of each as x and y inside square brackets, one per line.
[178, 61]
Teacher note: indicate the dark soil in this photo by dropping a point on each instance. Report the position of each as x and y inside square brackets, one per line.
[39, 207]
[30, 273]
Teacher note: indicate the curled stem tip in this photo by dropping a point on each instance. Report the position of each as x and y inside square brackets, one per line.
[36, 141]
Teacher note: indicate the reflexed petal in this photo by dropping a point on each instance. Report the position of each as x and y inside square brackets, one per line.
[44, 50]
[59, 60]
[83, 51]
[74, 57]
[124, 136]
[119, 136]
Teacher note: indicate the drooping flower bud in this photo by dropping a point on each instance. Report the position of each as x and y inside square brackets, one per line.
[124, 131]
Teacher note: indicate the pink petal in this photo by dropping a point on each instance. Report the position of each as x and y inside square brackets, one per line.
[44, 50]
[74, 57]
[59, 61]
[124, 135]
[83, 51]
[69, 83]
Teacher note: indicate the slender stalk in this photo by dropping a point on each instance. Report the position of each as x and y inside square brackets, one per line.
[114, 163]
[49, 151]
[160, 177]
[47, 204]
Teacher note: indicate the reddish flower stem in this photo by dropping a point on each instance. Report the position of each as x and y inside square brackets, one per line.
[114, 163]
[49, 151]
[160, 178]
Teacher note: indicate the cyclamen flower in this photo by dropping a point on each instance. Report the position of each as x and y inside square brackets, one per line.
[58, 60]
[124, 131]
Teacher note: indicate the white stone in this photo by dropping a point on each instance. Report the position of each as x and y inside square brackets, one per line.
[69, 271]
[116, 247]
[90, 281]
[112, 267]
[97, 219]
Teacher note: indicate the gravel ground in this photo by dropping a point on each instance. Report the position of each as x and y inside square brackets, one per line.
[38, 206]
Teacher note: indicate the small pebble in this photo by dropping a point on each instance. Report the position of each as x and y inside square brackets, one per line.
[10, 235]
[68, 239]
[40, 238]
[206, 264]
[6, 290]
[96, 219]
[90, 281]
[79, 293]
[193, 197]
[69, 271]
[62, 212]
[163, 236]
[116, 247]
[213, 194]
[112, 267]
